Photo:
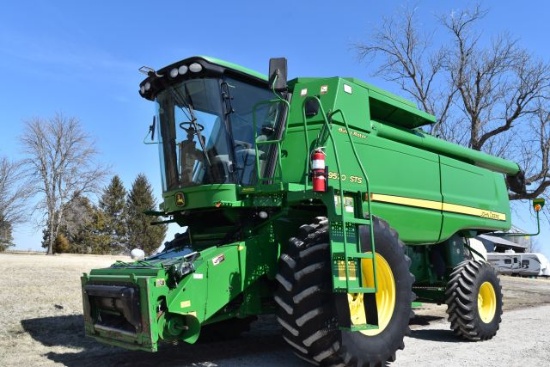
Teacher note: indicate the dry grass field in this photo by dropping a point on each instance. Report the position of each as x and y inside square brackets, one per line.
[41, 307]
[41, 323]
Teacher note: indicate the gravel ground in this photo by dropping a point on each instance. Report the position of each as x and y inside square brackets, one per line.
[523, 340]
[41, 325]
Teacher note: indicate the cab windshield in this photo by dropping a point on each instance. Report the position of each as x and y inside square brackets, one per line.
[208, 130]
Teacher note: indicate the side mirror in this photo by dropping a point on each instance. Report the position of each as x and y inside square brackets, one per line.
[151, 132]
[278, 74]
[152, 128]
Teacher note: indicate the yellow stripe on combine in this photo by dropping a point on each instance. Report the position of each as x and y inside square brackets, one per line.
[436, 205]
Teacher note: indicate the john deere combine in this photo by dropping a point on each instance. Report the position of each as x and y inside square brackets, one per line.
[319, 200]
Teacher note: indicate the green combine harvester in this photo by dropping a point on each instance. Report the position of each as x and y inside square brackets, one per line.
[319, 200]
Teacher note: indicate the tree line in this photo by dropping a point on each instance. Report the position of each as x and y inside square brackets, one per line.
[60, 170]
[115, 225]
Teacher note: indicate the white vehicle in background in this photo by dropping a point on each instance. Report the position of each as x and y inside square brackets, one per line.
[522, 264]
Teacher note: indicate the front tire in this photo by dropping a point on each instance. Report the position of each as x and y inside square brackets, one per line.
[308, 307]
[474, 300]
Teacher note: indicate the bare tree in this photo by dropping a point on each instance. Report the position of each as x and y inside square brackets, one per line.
[13, 195]
[492, 98]
[410, 59]
[60, 163]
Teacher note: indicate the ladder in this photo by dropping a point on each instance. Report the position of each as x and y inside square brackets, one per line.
[347, 255]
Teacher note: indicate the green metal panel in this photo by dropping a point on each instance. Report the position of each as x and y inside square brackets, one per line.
[393, 109]
[393, 168]
[468, 185]
[295, 155]
[427, 142]
[196, 294]
[395, 172]
[414, 225]
[401, 176]
[416, 179]
[151, 285]
[473, 198]
[362, 101]
[220, 274]
[204, 196]
[334, 94]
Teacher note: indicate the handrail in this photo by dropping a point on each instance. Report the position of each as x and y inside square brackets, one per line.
[367, 183]
[327, 130]
[266, 142]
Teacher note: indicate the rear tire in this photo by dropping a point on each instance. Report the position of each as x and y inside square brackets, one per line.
[308, 307]
[474, 300]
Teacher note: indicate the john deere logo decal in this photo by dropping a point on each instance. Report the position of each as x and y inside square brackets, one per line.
[180, 199]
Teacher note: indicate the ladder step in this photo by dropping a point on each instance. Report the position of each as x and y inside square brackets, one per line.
[361, 327]
[353, 220]
[358, 221]
[362, 290]
[352, 255]
[361, 255]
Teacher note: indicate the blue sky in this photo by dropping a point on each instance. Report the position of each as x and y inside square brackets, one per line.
[81, 59]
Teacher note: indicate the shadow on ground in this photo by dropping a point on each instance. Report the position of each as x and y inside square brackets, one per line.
[436, 335]
[68, 331]
[444, 334]
[423, 320]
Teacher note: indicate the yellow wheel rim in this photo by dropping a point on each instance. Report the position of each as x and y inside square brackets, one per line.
[486, 302]
[385, 297]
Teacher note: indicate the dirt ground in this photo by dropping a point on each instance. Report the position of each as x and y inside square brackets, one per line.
[41, 325]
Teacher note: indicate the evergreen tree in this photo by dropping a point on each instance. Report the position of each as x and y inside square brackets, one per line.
[141, 233]
[61, 244]
[82, 228]
[113, 207]
[6, 239]
[96, 238]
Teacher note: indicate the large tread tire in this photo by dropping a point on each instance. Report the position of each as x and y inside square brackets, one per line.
[474, 300]
[307, 305]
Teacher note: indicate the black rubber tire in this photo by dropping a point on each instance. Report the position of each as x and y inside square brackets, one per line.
[307, 305]
[463, 295]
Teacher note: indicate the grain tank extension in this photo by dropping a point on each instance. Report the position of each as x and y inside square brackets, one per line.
[319, 200]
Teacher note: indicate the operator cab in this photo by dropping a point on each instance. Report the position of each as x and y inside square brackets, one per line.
[210, 118]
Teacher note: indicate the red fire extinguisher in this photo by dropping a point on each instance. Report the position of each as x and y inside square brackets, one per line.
[318, 171]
